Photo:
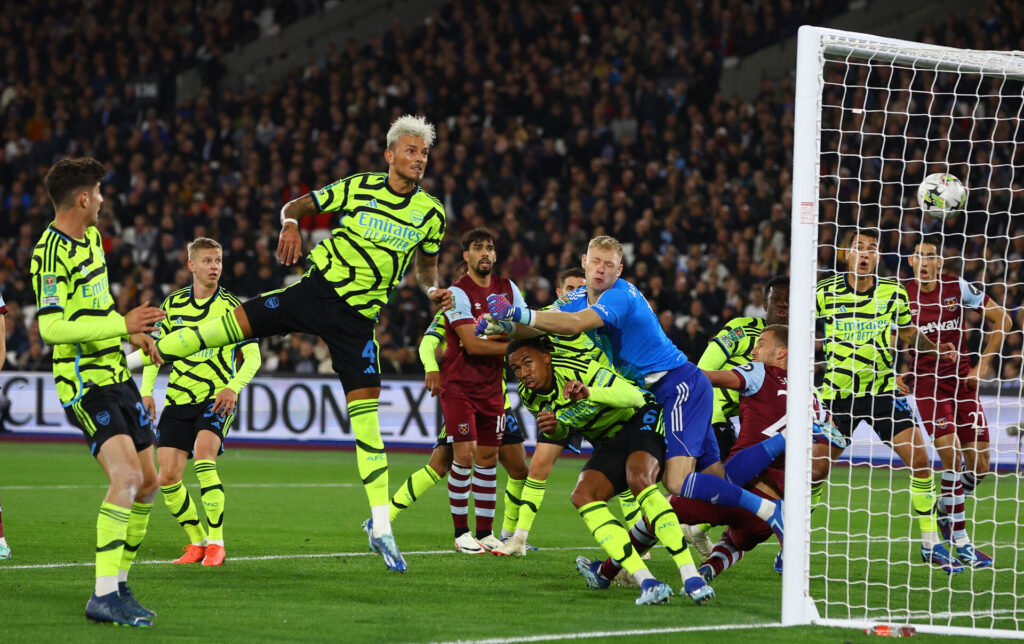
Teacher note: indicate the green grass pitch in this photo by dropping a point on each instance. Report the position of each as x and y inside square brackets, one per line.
[298, 568]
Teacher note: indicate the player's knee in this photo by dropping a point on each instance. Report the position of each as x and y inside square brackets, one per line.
[638, 481]
[820, 468]
[581, 497]
[128, 480]
[167, 477]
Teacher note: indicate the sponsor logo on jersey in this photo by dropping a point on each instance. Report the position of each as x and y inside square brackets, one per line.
[934, 327]
[950, 303]
[272, 302]
[103, 418]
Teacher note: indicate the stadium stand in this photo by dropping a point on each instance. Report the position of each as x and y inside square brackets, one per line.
[556, 122]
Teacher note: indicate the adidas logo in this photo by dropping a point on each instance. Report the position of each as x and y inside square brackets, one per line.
[373, 203]
[842, 309]
[370, 370]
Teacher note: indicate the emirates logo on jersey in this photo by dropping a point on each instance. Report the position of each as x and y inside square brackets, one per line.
[950, 303]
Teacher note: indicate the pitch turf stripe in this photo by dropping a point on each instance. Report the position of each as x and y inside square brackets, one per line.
[623, 633]
[324, 555]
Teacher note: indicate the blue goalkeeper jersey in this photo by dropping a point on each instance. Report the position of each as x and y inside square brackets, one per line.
[631, 335]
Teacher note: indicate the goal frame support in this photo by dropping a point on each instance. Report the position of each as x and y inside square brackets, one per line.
[813, 43]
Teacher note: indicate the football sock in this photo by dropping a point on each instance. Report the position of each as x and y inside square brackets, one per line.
[710, 488]
[419, 482]
[630, 508]
[458, 497]
[611, 536]
[179, 502]
[922, 497]
[951, 502]
[723, 556]
[642, 541]
[111, 527]
[485, 497]
[816, 492]
[135, 532]
[747, 463]
[970, 481]
[191, 339]
[372, 460]
[1, 523]
[212, 494]
[660, 515]
[513, 505]
[533, 496]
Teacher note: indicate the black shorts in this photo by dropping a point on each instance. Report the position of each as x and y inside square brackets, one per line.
[180, 425]
[574, 441]
[610, 456]
[311, 306]
[888, 414]
[110, 410]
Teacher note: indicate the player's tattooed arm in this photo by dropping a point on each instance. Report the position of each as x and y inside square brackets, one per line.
[918, 340]
[426, 277]
[289, 244]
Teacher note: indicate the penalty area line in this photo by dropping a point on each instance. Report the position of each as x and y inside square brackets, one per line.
[622, 633]
[317, 555]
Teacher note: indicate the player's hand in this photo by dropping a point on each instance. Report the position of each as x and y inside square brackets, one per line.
[442, 297]
[486, 325]
[289, 245]
[147, 343]
[547, 423]
[143, 318]
[947, 352]
[973, 379]
[432, 382]
[902, 385]
[576, 391]
[500, 308]
[224, 403]
[150, 405]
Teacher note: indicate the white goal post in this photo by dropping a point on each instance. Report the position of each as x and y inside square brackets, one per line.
[817, 48]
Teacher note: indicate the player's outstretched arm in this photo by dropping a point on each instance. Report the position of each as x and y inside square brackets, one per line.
[560, 322]
[724, 379]
[54, 329]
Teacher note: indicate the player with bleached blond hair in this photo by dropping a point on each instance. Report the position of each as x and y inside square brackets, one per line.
[386, 220]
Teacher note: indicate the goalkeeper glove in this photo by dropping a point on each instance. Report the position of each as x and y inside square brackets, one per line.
[488, 326]
[502, 309]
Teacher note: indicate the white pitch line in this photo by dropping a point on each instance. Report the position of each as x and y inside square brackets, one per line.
[238, 485]
[321, 555]
[623, 633]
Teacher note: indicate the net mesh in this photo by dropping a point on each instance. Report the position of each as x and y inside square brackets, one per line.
[890, 116]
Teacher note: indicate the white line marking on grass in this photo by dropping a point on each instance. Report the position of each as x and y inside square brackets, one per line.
[238, 485]
[624, 633]
[319, 555]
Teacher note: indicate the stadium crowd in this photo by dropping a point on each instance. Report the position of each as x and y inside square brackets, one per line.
[556, 122]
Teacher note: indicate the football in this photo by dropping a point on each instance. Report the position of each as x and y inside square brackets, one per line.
[941, 195]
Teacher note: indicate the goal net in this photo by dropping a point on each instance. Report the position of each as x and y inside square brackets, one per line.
[874, 280]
